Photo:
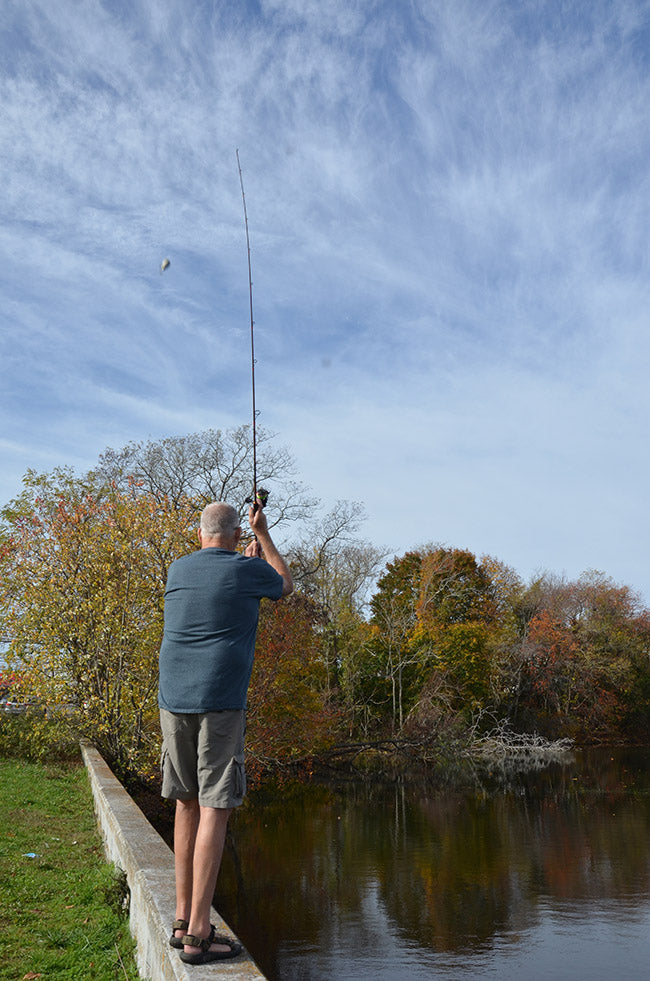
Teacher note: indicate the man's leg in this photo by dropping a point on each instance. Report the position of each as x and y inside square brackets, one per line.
[186, 824]
[208, 849]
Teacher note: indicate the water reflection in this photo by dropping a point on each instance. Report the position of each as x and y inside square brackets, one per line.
[383, 882]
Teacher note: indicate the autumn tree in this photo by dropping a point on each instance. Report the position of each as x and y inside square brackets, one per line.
[438, 617]
[290, 716]
[83, 572]
[580, 666]
[457, 610]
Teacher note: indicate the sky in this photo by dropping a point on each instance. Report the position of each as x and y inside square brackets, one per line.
[448, 206]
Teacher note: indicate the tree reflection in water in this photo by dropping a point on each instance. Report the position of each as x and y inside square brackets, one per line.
[367, 881]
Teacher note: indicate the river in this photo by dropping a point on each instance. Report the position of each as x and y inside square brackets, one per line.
[545, 877]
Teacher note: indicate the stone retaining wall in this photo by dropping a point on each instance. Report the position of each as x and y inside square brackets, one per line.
[148, 863]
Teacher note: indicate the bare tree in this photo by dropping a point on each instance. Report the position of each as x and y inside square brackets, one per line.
[336, 569]
[331, 564]
[213, 465]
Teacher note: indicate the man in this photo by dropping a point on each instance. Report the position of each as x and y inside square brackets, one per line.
[212, 602]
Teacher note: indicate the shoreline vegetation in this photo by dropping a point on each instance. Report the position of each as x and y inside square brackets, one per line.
[37, 737]
[66, 905]
[46, 747]
[437, 661]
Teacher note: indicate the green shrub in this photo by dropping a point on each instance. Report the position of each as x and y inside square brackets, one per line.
[38, 737]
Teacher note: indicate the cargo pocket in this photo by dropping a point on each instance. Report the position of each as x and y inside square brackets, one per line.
[236, 779]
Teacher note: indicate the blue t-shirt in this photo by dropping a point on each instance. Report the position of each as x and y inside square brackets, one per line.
[212, 600]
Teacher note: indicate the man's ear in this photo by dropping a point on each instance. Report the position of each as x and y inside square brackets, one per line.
[198, 531]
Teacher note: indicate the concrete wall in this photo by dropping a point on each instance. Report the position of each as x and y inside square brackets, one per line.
[136, 848]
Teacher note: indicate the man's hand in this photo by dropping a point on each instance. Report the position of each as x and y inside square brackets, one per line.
[257, 520]
[260, 528]
[254, 549]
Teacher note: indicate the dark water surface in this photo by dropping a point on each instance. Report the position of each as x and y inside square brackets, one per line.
[549, 878]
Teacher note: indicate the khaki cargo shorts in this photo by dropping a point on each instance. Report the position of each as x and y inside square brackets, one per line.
[203, 756]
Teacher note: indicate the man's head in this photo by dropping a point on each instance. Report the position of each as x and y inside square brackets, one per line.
[219, 526]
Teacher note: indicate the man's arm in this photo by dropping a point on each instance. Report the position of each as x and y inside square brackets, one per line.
[257, 521]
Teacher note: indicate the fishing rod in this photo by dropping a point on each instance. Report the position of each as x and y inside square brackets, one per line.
[259, 497]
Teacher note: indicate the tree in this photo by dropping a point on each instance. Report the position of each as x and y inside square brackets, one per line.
[336, 569]
[83, 573]
[289, 716]
[457, 625]
[394, 619]
[213, 465]
[454, 588]
[436, 616]
[580, 666]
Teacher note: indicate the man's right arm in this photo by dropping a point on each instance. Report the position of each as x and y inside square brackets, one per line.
[257, 521]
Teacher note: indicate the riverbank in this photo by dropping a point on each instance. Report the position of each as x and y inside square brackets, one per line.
[62, 904]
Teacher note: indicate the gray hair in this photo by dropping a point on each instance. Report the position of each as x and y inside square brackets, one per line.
[219, 520]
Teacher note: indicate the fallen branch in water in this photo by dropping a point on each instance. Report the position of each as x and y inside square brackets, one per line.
[448, 754]
[516, 750]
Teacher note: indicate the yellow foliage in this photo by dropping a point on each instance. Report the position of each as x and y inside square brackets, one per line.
[83, 573]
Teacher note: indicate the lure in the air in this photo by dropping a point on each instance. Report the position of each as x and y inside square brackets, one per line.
[163, 265]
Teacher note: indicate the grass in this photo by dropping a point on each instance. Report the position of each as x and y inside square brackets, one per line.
[61, 905]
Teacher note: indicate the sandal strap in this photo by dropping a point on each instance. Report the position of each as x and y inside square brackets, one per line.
[189, 940]
[180, 925]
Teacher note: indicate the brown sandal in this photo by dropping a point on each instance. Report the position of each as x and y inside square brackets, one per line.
[175, 941]
[206, 956]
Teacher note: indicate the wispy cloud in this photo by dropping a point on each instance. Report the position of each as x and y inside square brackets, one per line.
[448, 207]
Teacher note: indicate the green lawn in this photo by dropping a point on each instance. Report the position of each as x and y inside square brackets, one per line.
[61, 905]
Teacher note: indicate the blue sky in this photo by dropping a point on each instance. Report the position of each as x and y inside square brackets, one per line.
[448, 204]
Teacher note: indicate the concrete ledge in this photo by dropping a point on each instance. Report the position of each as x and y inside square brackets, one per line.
[135, 847]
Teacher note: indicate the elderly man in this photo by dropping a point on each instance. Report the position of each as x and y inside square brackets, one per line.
[212, 602]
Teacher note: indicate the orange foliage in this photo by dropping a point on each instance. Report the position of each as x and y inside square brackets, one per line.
[288, 715]
[570, 684]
